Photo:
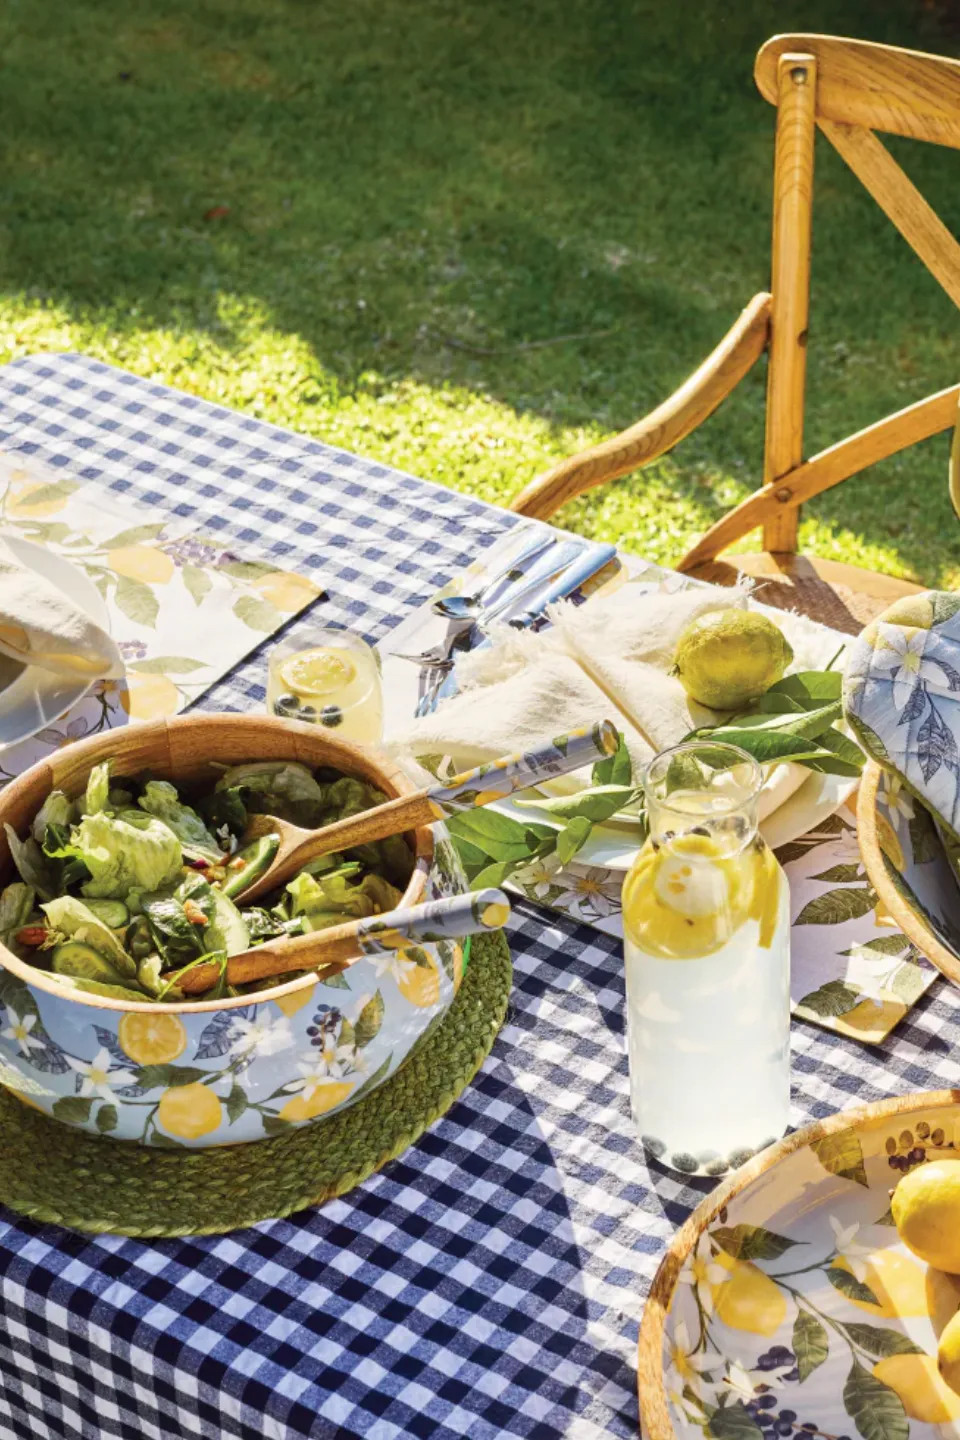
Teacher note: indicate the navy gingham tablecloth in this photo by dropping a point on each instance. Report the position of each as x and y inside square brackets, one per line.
[490, 1282]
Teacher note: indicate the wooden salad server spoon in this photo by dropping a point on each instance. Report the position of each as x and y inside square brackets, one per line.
[330, 951]
[493, 781]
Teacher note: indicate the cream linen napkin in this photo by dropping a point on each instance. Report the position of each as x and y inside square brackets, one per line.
[40, 626]
[609, 658]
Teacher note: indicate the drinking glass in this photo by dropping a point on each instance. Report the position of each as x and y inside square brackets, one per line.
[329, 678]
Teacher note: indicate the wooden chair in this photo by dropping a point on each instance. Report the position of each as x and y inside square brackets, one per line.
[849, 89]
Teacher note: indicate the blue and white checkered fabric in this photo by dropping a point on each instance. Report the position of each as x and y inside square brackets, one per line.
[489, 1283]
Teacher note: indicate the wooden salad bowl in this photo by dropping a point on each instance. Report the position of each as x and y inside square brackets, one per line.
[909, 869]
[215, 1072]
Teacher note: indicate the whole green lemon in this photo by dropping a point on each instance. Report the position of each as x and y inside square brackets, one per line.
[926, 1212]
[727, 658]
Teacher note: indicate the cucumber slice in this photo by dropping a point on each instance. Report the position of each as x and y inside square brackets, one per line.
[112, 912]
[75, 958]
[97, 987]
[228, 930]
[256, 859]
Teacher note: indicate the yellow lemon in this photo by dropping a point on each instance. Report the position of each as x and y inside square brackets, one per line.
[19, 506]
[926, 1212]
[325, 1097]
[728, 657]
[898, 1282]
[890, 844]
[924, 1394]
[943, 1298]
[142, 562]
[749, 1300]
[457, 967]
[151, 1039]
[318, 672]
[495, 915]
[872, 1021]
[189, 1111]
[948, 1354]
[290, 1004]
[288, 592]
[421, 983]
[149, 696]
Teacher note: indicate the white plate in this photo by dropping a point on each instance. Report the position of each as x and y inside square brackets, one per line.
[31, 698]
[614, 846]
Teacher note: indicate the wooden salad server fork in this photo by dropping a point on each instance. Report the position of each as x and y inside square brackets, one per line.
[330, 951]
[493, 781]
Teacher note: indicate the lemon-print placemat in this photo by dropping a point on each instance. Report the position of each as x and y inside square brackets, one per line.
[184, 608]
[56, 1174]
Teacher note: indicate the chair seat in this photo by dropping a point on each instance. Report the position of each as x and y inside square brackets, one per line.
[839, 595]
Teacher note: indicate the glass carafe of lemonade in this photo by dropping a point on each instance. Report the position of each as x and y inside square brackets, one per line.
[707, 947]
[329, 678]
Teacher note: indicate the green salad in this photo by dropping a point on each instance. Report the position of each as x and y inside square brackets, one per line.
[125, 888]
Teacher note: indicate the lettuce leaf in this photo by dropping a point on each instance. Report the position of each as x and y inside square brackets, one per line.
[126, 852]
[98, 790]
[72, 918]
[31, 863]
[335, 895]
[278, 787]
[16, 904]
[160, 799]
[57, 809]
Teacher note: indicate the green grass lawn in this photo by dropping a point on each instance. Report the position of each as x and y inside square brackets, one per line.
[403, 173]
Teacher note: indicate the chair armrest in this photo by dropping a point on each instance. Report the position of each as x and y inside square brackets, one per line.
[664, 427]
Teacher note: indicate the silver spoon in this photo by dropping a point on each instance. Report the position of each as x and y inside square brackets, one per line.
[467, 607]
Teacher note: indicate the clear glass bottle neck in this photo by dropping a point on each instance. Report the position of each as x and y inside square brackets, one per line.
[707, 790]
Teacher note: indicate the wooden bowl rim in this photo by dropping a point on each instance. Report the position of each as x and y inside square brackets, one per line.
[97, 747]
[914, 926]
[655, 1418]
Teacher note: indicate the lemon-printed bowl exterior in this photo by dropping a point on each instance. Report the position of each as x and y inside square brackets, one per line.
[787, 1299]
[227, 1072]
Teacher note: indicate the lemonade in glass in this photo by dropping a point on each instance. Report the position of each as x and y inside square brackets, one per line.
[707, 949]
[331, 679]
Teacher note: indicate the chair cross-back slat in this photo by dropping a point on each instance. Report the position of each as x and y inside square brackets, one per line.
[900, 200]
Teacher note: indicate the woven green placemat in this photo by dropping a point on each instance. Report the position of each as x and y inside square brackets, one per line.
[61, 1176]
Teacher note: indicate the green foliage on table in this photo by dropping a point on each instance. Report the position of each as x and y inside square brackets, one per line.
[493, 846]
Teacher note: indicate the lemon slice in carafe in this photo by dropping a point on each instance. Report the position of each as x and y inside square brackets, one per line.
[318, 672]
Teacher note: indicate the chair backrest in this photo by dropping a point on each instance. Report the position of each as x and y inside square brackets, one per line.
[848, 89]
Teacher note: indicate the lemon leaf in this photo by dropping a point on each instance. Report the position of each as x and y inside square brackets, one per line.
[811, 1343]
[836, 906]
[731, 1422]
[753, 1242]
[72, 1109]
[850, 1286]
[198, 582]
[107, 1119]
[369, 1021]
[880, 1341]
[137, 601]
[834, 998]
[874, 1408]
[236, 1103]
[841, 1155]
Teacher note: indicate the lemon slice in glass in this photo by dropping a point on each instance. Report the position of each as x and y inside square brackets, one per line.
[318, 672]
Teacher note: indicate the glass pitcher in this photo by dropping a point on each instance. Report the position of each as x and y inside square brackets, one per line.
[707, 948]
